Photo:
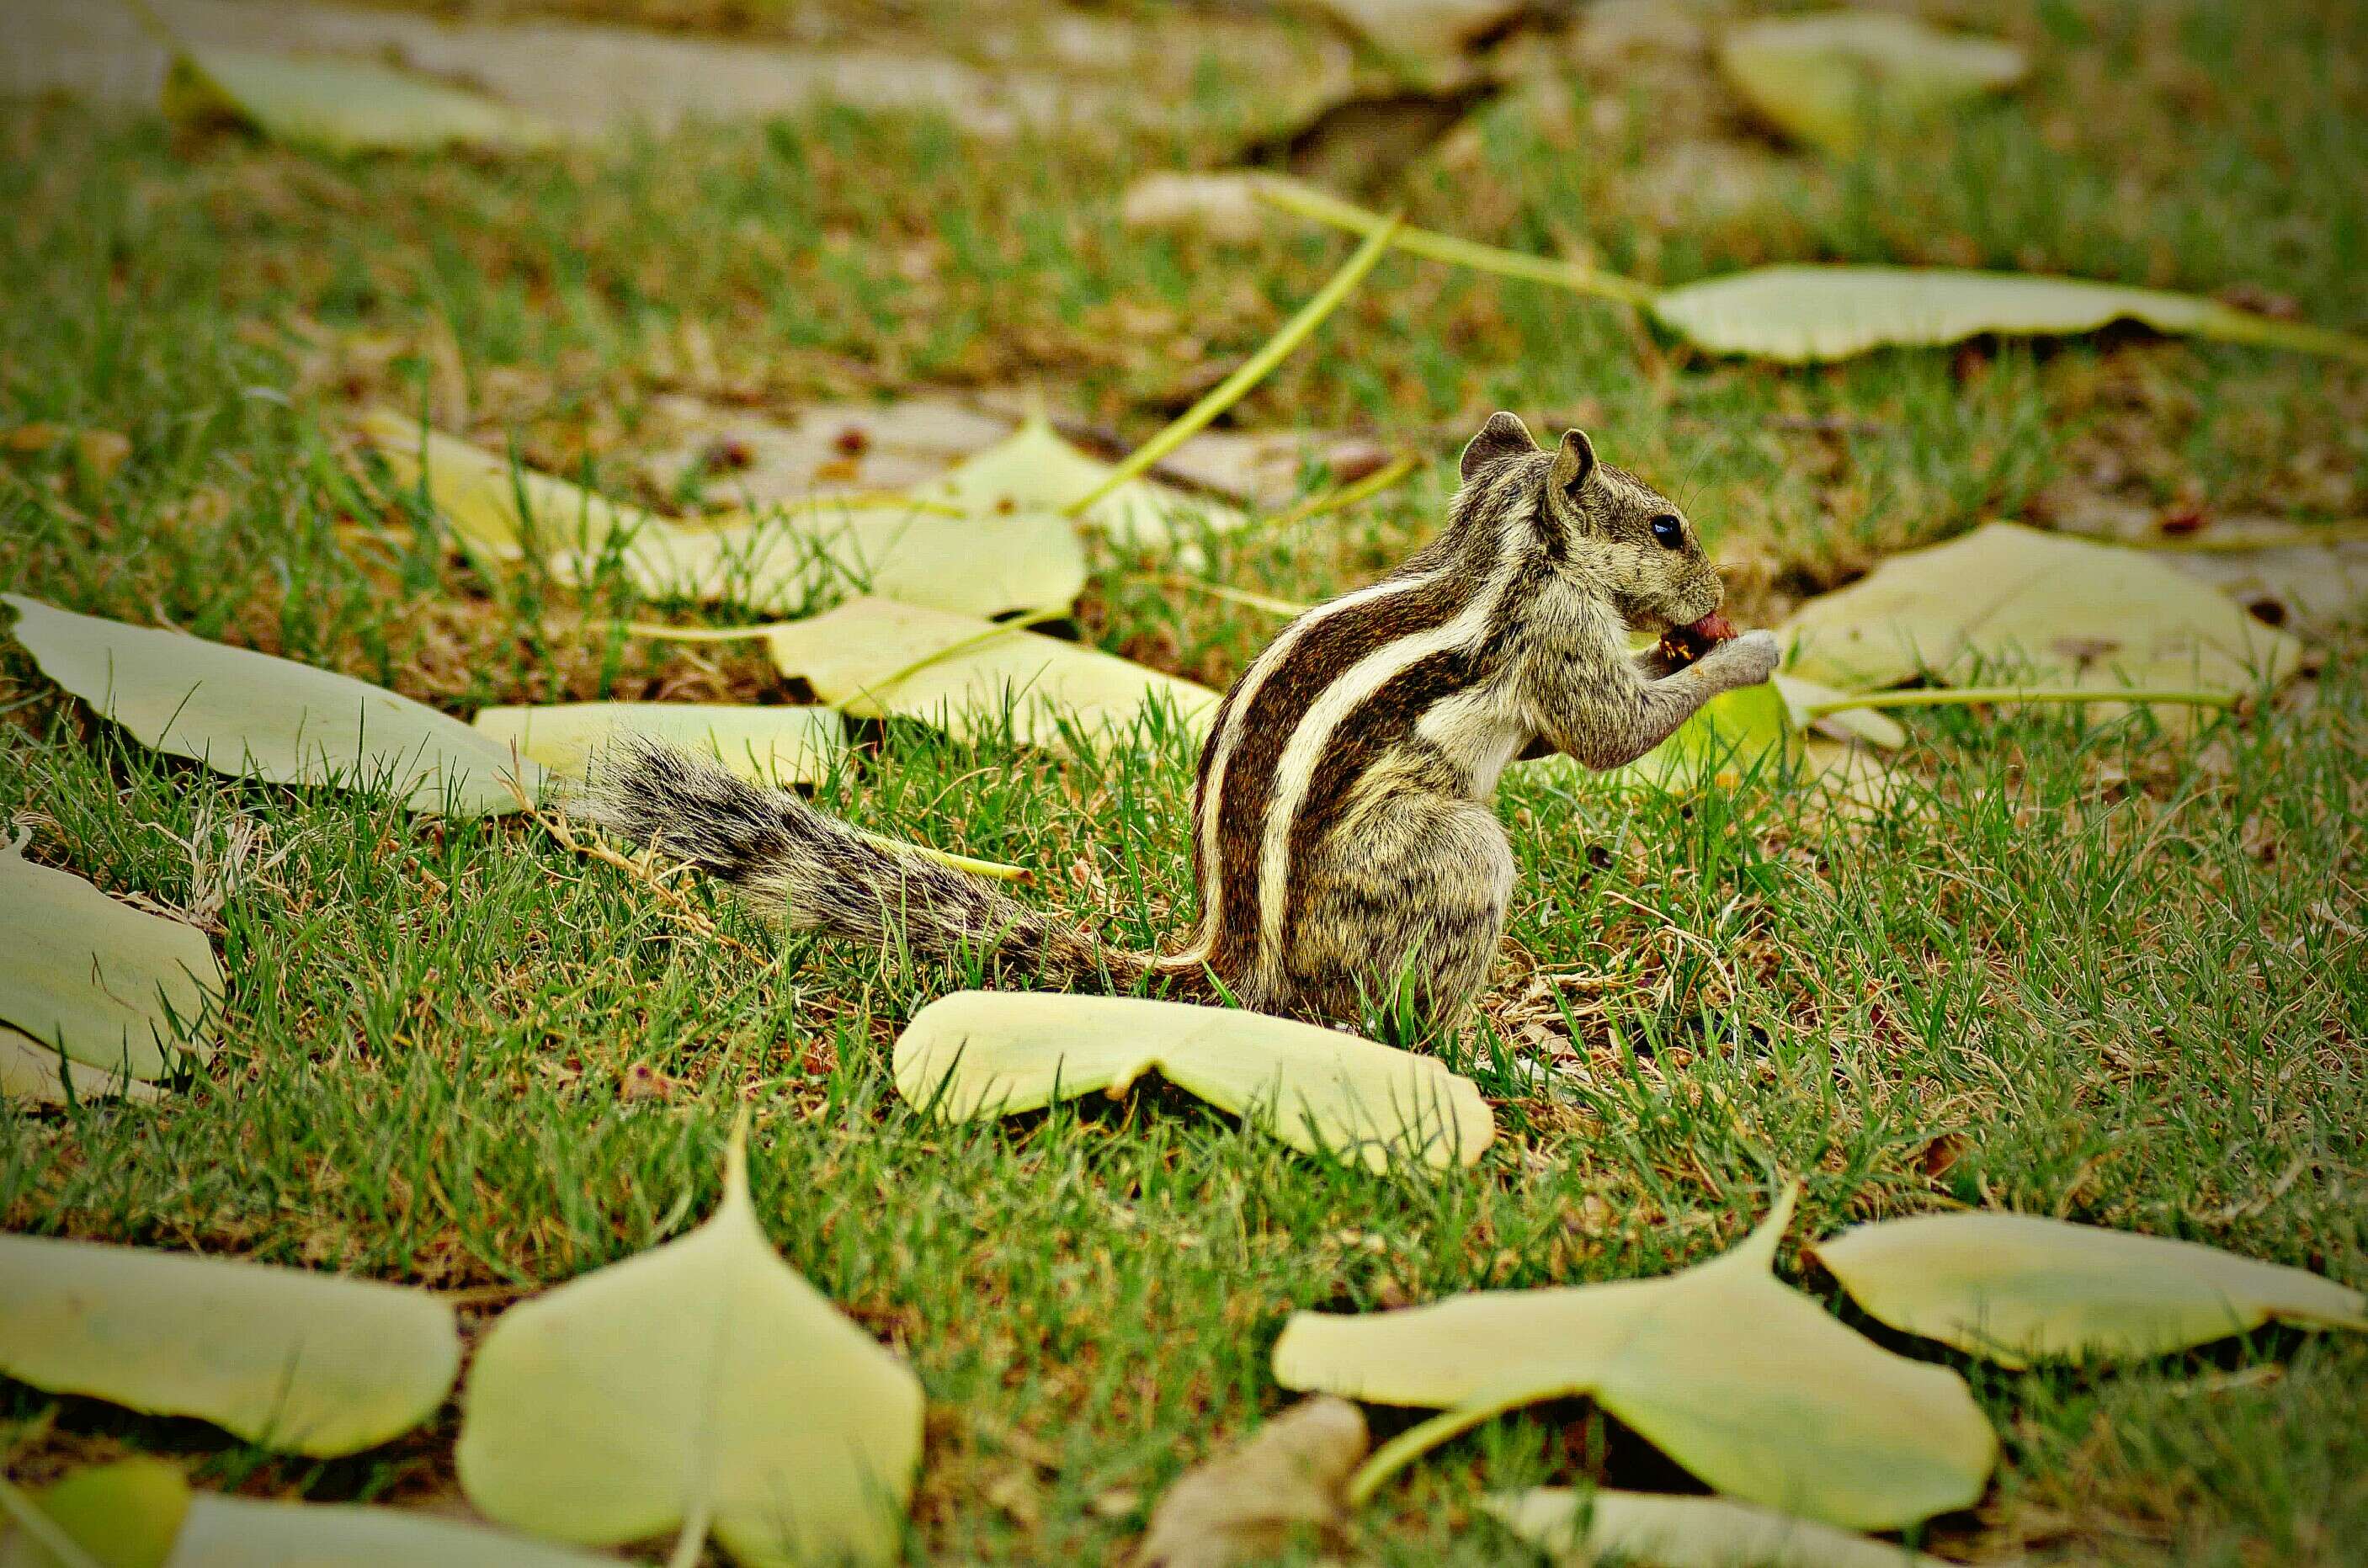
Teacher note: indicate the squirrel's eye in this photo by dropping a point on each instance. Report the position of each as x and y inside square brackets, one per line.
[1669, 532]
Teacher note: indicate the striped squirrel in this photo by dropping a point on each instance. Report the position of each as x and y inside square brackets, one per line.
[1343, 841]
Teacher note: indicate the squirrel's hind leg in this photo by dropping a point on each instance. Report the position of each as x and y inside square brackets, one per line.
[1412, 892]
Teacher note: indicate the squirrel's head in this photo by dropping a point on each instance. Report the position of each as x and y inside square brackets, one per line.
[1599, 526]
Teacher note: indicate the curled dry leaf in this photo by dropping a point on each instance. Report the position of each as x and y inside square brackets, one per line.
[2040, 606]
[1830, 79]
[122, 991]
[140, 1513]
[2017, 1287]
[1321, 1091]
[1245, 1503]
[704, 1384]
[294, 1361]
[1750, 1385]
[765, 745]
[337, 106]
[254, 715]
[874, 658]
[1684, 1532]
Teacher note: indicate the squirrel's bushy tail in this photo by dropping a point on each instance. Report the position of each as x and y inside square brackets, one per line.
[826, 876]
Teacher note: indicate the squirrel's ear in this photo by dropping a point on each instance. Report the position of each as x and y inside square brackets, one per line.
[1573, 462]
[1503, 436]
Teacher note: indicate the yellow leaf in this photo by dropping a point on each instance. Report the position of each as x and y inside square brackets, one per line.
[338, 106]
[1750, 1385]
[1035, 471]
[1321, 1091]
[32, 1071]
[776, 564]
[1684, 1532]
[764, 746]
[861, 658]
[2063, 610]
[119, 989]
[252, 716]
[1831, 78]
[2016, 1288]
[124, 1514]
[299, 1362]
[703, 1380]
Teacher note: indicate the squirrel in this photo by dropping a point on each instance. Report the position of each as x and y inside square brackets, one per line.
[1343, 841]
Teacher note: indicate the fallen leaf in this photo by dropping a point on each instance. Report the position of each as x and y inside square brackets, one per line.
[1749, 1384]
[1833, 78]
[2042, 606]
[704, 1382]
[1732, 736]
[762, 744]
[140, 1513]
[781, 564]
[759, 462]
[34, 1072]
[293, 1361]
[124, 1515]
[1245, 1503]
[1866, 724]
[253, 716]
[337, 106]
[1800, 314]
[1322, 1091]
[1035, 471]
[1426, 43]
[2017, 1287]
[1684, 1532]
[776, 563]
[122, 991]
[861, 658]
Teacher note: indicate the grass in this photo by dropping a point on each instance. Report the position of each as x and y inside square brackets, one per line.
[2097, 972]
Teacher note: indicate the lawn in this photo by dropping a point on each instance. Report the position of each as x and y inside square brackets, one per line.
[2093, 970]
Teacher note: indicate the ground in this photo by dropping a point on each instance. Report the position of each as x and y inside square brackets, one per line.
[2098, 972]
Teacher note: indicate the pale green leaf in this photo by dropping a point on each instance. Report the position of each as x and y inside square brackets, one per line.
[1734, 735]
[1750, 1385]
[1684, 1532]
[336, 104]
[118, 988]
[762, 744]
[2044, 606]
[300, 1362]
[124, 1514]
[781, 563]
[1321, 1091]
[703, 1380]
[874, 658]
[1833, 78]
[1035, 471]
[1799, 314]
[2017, 1288]
[1808, 704]
[250, 715]
[776, 562]
[241, 1532]
[35, 1073]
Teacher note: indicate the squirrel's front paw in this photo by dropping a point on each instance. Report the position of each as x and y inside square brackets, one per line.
[1747, 660]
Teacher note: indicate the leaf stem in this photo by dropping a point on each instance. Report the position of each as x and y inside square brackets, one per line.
[1306, 201]
[1233, 596]
[964, 644]
[1966, 697]
[1343, 496]
[1252, 370]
